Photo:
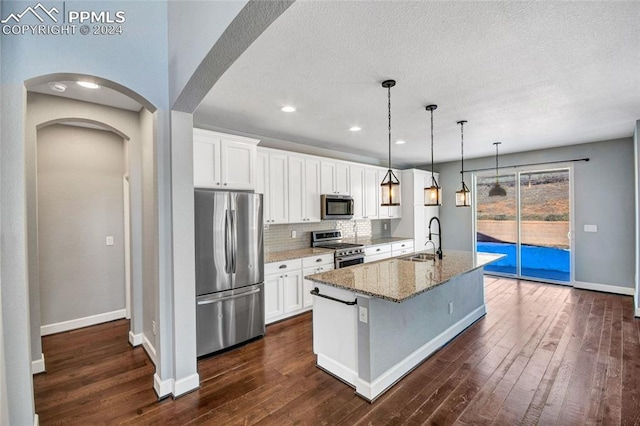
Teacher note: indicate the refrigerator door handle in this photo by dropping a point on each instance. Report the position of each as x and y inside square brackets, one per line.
[227, 243]
[234, 240]
[222, 299]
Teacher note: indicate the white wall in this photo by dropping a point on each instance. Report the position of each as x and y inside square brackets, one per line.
[604, 196]
[80, 203]
[636, 149]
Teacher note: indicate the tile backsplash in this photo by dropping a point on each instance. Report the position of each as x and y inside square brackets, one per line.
[278, 237]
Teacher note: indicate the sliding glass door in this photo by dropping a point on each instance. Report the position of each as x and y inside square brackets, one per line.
[531, 224]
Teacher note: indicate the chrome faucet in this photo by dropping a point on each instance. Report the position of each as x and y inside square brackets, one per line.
[434, 248]
[439, 234]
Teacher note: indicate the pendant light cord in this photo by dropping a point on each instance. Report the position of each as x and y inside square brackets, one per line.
[432, 179]
[496, 144]
[462, 152]
[389, 109]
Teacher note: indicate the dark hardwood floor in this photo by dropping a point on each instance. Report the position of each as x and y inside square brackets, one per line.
[544, 354]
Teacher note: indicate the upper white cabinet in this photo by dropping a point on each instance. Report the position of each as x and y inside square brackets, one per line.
[304, 189]
[335, 177]
[223, 161]
[272, 171]
[365, 190]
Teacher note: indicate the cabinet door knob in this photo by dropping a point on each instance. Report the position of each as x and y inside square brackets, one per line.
[225, 184]
[217, 183]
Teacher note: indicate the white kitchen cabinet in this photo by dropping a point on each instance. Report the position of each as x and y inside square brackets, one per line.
[356, 177]
[372, 193]
[292, 284]
[392, 212]
[379, 252]
[402, 247]
[272, 172]
[223, 161]
[273, 297]
[282, 289]
[304, 189]
[335, 177]
[313, 265]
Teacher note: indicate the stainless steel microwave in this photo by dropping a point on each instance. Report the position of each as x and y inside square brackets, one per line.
[336, 207]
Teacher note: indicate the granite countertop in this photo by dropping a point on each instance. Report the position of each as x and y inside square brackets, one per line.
[369, 241]
[280, 256]
[397, 280]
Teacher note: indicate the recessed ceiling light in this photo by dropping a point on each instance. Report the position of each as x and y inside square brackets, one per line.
[287, 109]
[58, 87]
[400, 142]
[88, 85]
[355, 129]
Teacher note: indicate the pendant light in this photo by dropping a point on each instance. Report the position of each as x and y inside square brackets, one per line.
[497, 190]
[463, 196]
[433, 193]
[390, 184]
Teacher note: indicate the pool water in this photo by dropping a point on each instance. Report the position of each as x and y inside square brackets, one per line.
[537, 262]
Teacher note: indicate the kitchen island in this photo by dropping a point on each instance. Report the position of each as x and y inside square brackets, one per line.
[374, 323]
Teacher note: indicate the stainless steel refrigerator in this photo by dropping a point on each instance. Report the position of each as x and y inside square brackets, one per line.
[229, 269]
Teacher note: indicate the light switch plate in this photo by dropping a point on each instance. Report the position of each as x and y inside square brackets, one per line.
[363, 314]
[109, 240]
[591, 228]
[294, 234]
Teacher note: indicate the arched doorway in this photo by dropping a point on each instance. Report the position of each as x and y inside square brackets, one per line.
[119, 112]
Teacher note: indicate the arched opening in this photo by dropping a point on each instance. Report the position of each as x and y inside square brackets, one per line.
[89, 161]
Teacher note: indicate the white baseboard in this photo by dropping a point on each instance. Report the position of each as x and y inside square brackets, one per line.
[339, 370]
[59, 327]
[371, 391]
[150, 349]
[637, 312]
[626, 291]
[135, 339]
[182, 386]
[37, 366]
[162, 387]
[36, 420]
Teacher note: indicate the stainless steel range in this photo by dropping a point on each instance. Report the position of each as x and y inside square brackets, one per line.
[346, 254]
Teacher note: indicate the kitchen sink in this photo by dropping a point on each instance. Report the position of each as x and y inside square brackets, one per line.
[420, 257]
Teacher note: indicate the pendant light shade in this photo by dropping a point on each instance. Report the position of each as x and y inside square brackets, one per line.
[433, 193]
[497, 190]
[390, 185]
[463, 195]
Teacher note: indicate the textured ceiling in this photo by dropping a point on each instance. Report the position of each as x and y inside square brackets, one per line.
[530, 74]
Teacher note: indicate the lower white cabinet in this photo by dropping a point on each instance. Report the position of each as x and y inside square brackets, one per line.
[307, 298]
[286, 292]
[375, 253]
[402, 247]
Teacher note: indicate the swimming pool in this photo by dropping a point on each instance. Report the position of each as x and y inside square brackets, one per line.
[537, 262]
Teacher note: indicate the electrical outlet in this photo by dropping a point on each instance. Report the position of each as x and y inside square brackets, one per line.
[153, 327]
[385, 226]
[294, 234]
[363, 314]
[450, 308]
[109, 240]
[591, 228]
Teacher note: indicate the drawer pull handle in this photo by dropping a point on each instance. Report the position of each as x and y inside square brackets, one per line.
[282, 267]
[378, 249]
[318, 260]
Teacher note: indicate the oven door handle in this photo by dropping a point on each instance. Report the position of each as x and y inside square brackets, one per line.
[316, 292]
